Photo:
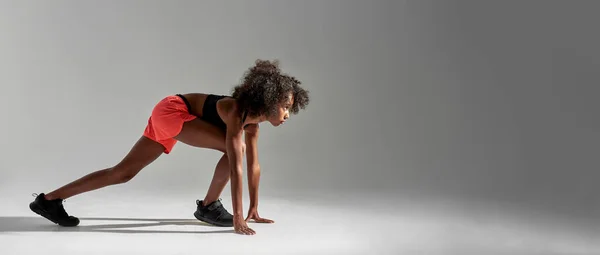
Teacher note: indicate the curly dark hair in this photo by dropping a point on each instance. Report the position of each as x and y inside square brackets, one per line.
[264, 87]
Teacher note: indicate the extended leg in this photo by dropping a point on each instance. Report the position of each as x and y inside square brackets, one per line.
[144, 152]
[50, 205]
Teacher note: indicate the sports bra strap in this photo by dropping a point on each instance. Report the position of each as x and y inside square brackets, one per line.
[244, 116]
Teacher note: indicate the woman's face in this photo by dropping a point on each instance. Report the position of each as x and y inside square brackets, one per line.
[283, 111]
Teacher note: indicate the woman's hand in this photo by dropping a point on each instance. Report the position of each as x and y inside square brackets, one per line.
[241, 227]
[253, 215]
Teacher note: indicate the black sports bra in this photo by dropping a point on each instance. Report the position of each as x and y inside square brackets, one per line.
[209, 110]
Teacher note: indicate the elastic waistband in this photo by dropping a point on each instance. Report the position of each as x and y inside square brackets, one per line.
[187, 103]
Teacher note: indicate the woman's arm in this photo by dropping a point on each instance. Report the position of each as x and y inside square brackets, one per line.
[234, 153]
[253, 166]
[253, 173]
[234, 144]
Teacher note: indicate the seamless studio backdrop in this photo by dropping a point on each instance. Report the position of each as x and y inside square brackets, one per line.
[490, 104]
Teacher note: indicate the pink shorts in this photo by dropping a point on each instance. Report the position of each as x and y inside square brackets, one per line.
[166, 121]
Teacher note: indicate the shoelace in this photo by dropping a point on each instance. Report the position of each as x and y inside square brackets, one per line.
[219, 209]
[61, 208]
[36, 194]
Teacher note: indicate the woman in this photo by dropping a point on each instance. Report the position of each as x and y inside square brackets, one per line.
[229, 124]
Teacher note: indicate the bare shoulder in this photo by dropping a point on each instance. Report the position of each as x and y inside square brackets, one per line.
[229, 111]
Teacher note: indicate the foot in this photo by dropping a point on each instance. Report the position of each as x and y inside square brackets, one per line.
[53, 210]
[213, 213]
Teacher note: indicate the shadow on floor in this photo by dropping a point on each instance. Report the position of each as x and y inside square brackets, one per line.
[39, 224]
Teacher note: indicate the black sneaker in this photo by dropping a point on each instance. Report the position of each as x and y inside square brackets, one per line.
[53, 210]
[214, 213]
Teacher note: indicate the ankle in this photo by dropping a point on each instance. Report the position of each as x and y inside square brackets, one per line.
[50, 196]
[208, 201]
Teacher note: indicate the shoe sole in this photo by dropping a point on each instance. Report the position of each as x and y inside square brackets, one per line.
[39, 211]
[209, 221]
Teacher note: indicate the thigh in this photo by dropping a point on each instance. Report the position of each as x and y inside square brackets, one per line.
[143, 152]
[200, 133]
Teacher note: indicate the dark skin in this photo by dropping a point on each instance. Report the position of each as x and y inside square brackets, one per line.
[238, 139]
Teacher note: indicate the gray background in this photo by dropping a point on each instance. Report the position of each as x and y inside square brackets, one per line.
[487, 100]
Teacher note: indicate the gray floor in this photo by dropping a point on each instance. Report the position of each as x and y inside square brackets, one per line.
[305, 224]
